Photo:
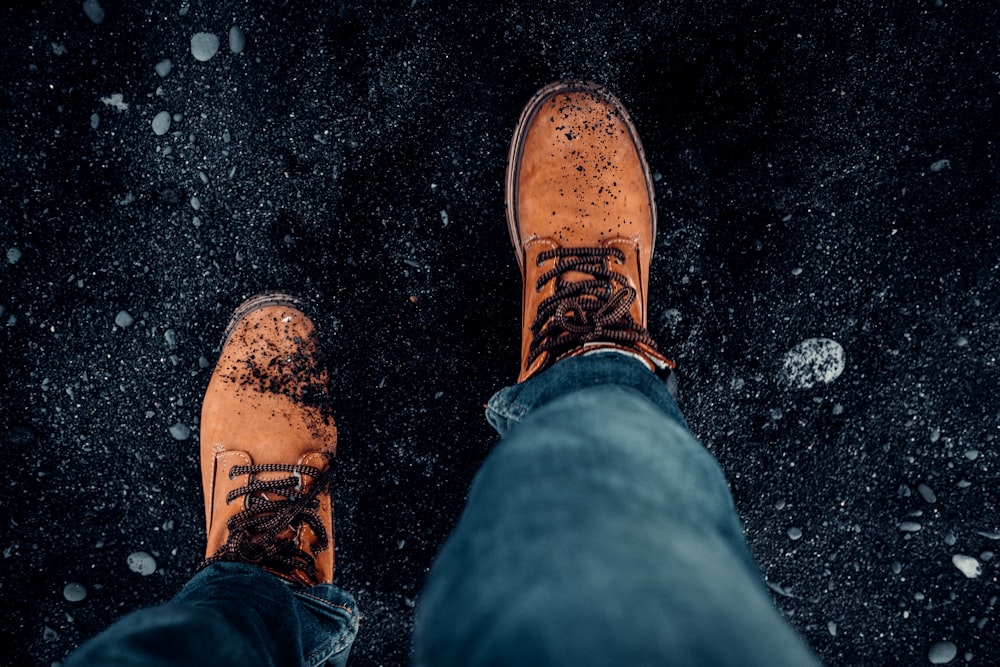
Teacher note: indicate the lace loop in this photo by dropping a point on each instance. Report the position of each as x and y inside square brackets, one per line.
[594, 309]
[266, 532]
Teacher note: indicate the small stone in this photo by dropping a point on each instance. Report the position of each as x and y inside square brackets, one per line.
[794, 533]
[237, 40]
[897, 567]
[204, 45]
[95, 121]
[74, 592]
[163, 68]
[910, 527]
[171, 337]
[942, 653]
[203, 362]
[141, 563]
[926, 493]
[195, 203]
[935, 434]
[940, 165]
[813, 361]
[831, 627]
[968, 565]
[972, 454]
[180, 431]
[14, 255]
[94, 11]
[124, 319]
[161, 123]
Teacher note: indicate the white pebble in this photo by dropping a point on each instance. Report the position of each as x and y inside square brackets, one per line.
[94, 11]
[794, 533]
[204, 45]
[968, 565]
[910, 526]
[972, 454]
[161, 123]
[180, 431]
[142, 563]
[813, 361]
[942, 653]
[940, 165]
[124, 319]
[237, 40]
[74, 592]
[195, 203]
[926, 493]
[163, 67]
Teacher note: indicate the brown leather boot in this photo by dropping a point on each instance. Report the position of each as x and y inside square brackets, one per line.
[582, 219]
[267, 443]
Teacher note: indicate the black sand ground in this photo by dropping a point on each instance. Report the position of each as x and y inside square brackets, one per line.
[826, 170]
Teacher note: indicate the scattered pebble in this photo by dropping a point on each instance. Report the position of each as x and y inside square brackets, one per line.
[180, 431]
[897, 567]
[940, 165]
[926, 493]
[116, 100]
[161, 123]
[124, 319]
[935, 434]
[195, 203]
[163, 67]
[204, 45]
[989, 536]
[13, 255]
[942, 653]
[142, 563]
[831, 627]
[94, 11]
[95, 120]
[794, 533]
[910, 527]
[972, 454]
[74, 592]
[171, 337]
[813, 361]
[237, 40]
[968, 565]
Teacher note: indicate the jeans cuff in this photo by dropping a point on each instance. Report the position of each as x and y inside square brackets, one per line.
[509, 406]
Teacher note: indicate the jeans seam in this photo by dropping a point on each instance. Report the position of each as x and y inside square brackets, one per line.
[510, 410]
[345, 638]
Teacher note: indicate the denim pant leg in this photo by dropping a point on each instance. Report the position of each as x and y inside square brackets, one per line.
[598, 532]
[231, 614]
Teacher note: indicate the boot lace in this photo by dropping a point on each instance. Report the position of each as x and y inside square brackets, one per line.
[596, 309]
[255, 534]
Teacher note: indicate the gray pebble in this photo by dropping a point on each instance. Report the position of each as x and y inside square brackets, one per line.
[237, 40]
[163, 67]
[74, 592]
[180, 431]
[926, 493]
[910, 526]
[142, 563]
[95, 120]
[794, 533]
[94, 11]
[195, 203]
[171, 337]
[942, 653]
[161, 123]
[124, 319]
[204, 45]
[13, 255]
[940, 165]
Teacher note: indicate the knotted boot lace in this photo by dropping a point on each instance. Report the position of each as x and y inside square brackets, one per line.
[266, 532]
[594, 309]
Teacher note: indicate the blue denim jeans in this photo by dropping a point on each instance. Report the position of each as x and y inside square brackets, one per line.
[598, 532]
[232, 614]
